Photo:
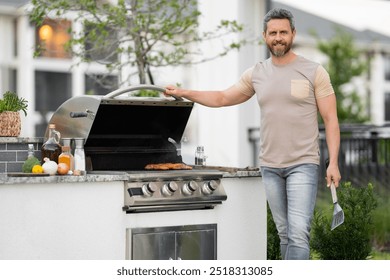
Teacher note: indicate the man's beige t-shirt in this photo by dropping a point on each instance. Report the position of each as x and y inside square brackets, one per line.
[287, 97]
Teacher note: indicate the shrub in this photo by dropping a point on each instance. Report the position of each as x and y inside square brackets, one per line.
[273, 241]
[351, 240]
[381, 220]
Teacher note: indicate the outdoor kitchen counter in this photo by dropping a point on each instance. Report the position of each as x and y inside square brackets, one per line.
[20, 178]
[233, 172]
[106, 176]
[241, 173]
[81, 217]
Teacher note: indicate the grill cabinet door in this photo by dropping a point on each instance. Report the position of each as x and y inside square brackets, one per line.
[196, 245]
[195, 242]
[153, 246]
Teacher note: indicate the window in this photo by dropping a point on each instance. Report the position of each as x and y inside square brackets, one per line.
[100, 44]
[51, 90]
[100, 84]
[52, 37]
[387, 67]
[15, 36]
[8, 78]
[387, 106]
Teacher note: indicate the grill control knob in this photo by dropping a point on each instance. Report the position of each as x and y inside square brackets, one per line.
[169, 188]
[149, 188]
[190, 187]
[210, 186]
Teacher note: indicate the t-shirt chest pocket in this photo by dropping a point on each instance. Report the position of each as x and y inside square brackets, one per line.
[300, 88]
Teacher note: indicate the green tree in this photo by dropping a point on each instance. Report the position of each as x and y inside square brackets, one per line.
[344, 63]
[140, 35]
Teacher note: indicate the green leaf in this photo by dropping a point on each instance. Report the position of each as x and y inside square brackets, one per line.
[11, 102]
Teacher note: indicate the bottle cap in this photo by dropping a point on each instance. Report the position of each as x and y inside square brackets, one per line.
[65, 148]
[200, 148]
[67, 141]
[79, 142]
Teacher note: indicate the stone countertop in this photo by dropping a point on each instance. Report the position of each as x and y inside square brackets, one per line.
[13, 178]
[21, 140]
[242, 174]
[108, 176]
[233, 172]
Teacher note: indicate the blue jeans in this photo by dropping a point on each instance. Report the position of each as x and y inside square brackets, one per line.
[291, 193]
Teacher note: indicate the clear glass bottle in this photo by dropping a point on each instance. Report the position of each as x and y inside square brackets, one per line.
[52, 148]
[67, 142]
[79, 155]
[31, 160]
[66, 157]
[200, 158]
[30, 151]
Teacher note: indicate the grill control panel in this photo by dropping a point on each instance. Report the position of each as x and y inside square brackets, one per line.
[162, 195]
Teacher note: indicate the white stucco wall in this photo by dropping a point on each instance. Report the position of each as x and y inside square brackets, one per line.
[377, 86]
[223, 131]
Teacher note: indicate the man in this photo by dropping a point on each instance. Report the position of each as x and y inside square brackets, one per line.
[290, 90]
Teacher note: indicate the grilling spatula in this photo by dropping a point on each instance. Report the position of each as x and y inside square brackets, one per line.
[338, 213]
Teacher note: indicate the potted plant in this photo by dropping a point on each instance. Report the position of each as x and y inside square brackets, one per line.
[10, 105]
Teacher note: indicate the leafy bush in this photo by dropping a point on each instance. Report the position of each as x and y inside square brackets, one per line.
[381, 220]
[147, 93]
[273, 241]
[351, 240]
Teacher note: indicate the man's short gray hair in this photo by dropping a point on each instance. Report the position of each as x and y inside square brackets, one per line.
[279, 13]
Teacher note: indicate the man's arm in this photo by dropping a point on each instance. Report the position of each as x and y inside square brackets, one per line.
[228, 97]
[328, 110]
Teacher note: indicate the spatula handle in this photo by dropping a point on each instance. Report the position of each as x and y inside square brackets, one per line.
[333, 191]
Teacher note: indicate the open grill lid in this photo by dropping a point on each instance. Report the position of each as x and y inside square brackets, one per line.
[125, 133]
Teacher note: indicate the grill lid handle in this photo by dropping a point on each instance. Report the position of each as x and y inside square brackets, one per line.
[87, 114]
[133, 88]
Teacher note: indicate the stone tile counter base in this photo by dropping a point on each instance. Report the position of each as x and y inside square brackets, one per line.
[13, 152]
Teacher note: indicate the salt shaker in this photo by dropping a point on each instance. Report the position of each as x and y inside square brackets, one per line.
[79, 155]
[200, 158]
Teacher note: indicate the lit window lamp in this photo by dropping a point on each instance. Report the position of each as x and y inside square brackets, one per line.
[46, 33]
[52, 37]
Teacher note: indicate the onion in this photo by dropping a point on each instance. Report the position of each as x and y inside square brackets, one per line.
[62, 168]
[49, 167]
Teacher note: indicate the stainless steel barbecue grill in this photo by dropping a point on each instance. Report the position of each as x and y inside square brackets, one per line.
[125, 133]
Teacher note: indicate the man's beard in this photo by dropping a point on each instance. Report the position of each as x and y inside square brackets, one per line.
[279, 52]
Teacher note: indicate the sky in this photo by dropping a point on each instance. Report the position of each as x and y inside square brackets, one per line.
[358, 14]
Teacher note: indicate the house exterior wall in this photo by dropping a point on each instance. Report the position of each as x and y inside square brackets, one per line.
[223, 132]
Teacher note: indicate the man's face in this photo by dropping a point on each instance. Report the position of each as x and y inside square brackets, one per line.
[279, 37]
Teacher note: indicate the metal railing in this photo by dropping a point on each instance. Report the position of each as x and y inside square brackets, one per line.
[364, 154]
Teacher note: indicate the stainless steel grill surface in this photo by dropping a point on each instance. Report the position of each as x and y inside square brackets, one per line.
[125, 133]
[173, 190]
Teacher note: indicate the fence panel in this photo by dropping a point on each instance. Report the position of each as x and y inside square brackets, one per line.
[364, 155]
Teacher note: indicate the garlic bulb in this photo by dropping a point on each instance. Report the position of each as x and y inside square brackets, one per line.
[49, 167]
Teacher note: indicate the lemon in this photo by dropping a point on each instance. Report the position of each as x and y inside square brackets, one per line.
[37, 169]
